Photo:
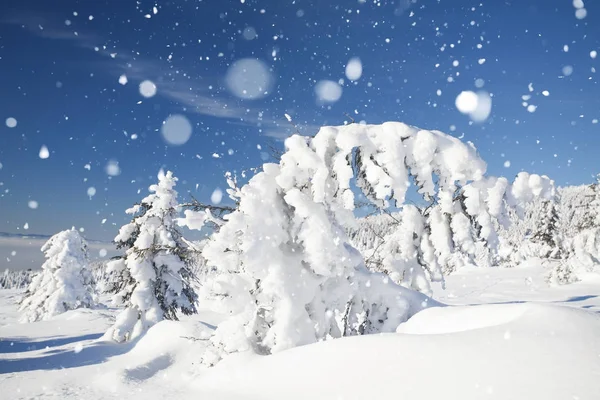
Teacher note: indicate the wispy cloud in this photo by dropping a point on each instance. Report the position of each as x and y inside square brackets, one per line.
[48, 26]
[195, 96]
[192, 94]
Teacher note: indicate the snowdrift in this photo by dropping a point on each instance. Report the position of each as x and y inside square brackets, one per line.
[503, 351]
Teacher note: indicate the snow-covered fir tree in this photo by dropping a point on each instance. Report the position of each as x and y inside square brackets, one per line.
[595, 204]
[547, 232]
[285, 266]
[573, 208]
[16, 279]
[152, 279]
[591, 213]
[583, 249]
[64, 282]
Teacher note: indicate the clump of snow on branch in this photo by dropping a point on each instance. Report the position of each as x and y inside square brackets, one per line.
[64, 282]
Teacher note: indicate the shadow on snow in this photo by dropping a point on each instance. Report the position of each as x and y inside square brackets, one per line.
[23, 344]
[90, 353]
[580, 298]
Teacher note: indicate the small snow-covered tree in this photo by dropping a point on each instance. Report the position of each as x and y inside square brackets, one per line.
[16, 279]
[527, 192]
[595, 204]
[64, 282]
[583, 257]
[583, 250]
[284, 264]
[152, 280]
[591, 207]
[546, 233]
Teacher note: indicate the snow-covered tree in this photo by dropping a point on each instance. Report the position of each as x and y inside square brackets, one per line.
[64, 282]
[284, 263]
[595, 204]
[583, 256]
[573, 208]
[590, 207]
[152, 279]
[546, 233]
[429, 242]
[16, 279]
[369, 236]
[583, 250]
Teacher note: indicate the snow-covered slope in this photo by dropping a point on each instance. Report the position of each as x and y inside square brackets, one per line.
[504, 351]
[506, 336]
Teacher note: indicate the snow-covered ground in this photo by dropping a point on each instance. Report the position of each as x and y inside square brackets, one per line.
[505, 335]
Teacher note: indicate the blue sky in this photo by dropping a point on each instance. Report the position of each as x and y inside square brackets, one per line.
[61, 61]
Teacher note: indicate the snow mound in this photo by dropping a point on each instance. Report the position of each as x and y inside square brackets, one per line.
[438, 320]
[162, 356]
[512, 351]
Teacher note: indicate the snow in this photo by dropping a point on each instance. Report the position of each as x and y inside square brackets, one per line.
[328, 91]
[249, 79]
[44, 152]
[466, 361]
[466, 102]
[580, 13]
[176, 130]
[354, 69]
[112, 168]
[216, 196]
[477, 105]
[249, 33]
[11, 122]
[147, 89]
[567, 70]
[484, 107]
[505, 335]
